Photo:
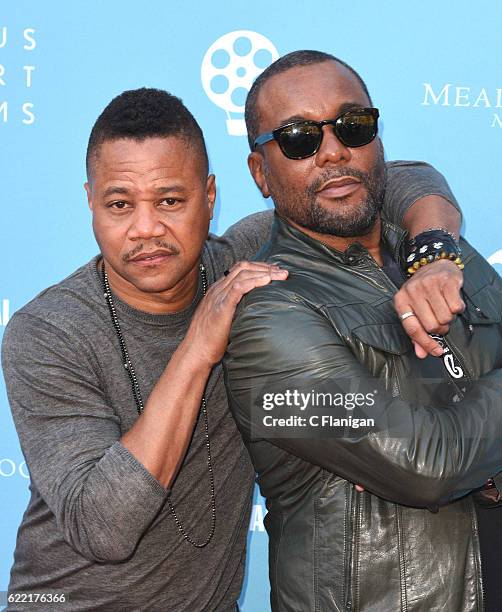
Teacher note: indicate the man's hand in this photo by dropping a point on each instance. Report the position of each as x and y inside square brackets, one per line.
[433, 295]
[210, 327]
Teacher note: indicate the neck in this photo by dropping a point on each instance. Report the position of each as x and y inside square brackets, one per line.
[177, 298]
[370, 241]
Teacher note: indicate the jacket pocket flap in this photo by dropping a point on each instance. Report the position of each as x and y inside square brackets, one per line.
[483, 307]
[388, 337]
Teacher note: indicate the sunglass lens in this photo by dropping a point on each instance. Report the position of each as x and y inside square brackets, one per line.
[300, 140]
[356, 129]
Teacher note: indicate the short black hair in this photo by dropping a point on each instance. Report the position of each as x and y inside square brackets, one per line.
[144, 113]
[291, 60]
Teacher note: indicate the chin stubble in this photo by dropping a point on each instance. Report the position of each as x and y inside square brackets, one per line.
[340, 220]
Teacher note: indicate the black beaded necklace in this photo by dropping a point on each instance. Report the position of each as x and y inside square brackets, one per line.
[136, 391]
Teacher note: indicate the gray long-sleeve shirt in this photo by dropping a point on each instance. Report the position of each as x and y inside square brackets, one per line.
[97, 526]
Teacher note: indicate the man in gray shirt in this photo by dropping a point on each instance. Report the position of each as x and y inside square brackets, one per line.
[140, 484]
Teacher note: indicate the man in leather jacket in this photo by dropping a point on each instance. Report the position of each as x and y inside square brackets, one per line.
[409, 540]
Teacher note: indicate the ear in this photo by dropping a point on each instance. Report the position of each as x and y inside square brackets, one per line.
[256, 163]
[88, 191]
[211, 193]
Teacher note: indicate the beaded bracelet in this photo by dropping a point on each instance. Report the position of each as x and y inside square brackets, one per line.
[429, 246]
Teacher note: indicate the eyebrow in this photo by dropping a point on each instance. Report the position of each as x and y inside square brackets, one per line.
[116, 190]
[342, 109]
[169, 188]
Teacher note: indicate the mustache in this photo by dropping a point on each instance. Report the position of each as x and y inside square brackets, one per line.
[334, 173]
[147, 247]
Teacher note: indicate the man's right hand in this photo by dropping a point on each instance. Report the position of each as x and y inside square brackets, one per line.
[433, 295]
[208, 334]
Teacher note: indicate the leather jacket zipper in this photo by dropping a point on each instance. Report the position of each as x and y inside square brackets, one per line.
[402, 564]
[353, 591]
[479, 566]
[347, 547]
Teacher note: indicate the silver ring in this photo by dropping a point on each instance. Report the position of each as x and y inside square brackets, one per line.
[405, 315]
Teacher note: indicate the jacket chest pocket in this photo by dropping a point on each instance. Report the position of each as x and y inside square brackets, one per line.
[385, 338]
[379, 342]
[372, 332]
[375, 336]
[387, 351]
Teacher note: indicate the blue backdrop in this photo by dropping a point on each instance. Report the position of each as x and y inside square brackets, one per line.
[433, 69]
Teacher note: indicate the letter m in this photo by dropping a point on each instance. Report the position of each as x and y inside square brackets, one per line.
[430, 95]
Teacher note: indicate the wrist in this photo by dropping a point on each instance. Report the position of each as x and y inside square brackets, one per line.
[429, 246]
[194, 357]
[442, 230]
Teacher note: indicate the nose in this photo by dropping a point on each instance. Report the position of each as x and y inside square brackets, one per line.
[146, 223]
[331, 151]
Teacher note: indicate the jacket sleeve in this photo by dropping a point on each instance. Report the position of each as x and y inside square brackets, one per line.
[415, 455]
[102, 497]
[407, 182]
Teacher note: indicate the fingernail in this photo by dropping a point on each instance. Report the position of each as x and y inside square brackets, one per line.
[437, 352]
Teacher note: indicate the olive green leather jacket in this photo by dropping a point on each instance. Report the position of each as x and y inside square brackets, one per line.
[409, 542]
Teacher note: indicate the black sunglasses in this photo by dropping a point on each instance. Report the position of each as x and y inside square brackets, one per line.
[301, 139]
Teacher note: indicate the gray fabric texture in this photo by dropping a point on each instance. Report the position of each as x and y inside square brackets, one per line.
[97, 526]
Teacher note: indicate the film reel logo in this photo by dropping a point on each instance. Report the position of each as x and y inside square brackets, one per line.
[228, 70]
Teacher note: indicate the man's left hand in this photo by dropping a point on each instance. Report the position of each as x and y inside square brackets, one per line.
[433, 295]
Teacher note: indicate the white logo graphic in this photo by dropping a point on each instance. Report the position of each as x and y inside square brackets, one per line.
[454, 369]
[228, 70]
[8, 468]
[4, 312]
[495, 258]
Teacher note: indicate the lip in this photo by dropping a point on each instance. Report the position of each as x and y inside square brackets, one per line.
[339, 188]
[151, 258]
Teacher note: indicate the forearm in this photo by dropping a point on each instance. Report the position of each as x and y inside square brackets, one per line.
[434, 456]
[417, 456]
[160, 437]
[432, 211]
[419, 186]
[104, 490]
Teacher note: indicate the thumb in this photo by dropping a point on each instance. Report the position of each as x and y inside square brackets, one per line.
[420, 352]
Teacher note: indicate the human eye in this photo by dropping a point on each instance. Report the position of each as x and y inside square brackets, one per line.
[118, 205]
[170, 202]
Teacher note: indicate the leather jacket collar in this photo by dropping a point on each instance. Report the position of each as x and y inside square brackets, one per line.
[288, 236]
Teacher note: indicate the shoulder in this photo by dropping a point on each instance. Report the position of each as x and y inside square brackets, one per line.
[240, 241]
[273, 311]
[61, 308]
[257, 223]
